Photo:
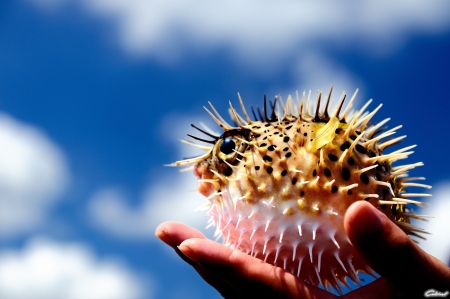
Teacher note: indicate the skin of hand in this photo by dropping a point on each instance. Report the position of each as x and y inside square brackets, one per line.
[406, 270]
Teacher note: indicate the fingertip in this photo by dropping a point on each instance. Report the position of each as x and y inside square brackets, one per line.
[174, 233]
[204, 250]
[162, 232]
[362, 219]
[164, 227]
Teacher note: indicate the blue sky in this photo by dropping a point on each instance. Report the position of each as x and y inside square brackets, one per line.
[94, 95]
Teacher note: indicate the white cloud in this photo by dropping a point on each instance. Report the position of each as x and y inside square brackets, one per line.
[33, 173]
[438, 243]
[263, 37]
[172, 198]
[258, 30]
[49, 270]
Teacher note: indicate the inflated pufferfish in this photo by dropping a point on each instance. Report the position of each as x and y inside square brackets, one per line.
[277, 187]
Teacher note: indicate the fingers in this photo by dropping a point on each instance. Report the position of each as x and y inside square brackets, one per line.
[174, 233]
[249, 275]
[391, 253]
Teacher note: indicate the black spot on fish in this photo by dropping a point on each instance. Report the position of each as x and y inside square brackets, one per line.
[360, 148]
[228, 171]
[378, 176]
[345, 174]
[364, 178]
[345, 146]
[267, 158]
[332, 157]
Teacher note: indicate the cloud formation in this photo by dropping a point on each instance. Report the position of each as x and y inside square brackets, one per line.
[265, 38]
[33, 174]
[49, 270]
[261, 29]
[110, 210]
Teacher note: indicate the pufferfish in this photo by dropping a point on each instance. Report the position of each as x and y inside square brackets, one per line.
[277, 187]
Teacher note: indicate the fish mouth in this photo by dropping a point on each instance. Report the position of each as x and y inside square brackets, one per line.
[206, 186]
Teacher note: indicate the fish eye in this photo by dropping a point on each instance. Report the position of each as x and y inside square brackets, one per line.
[227, 146]
[230, 145]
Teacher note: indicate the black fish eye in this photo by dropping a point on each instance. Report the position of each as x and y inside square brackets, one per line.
[227, 146]
[231, 145]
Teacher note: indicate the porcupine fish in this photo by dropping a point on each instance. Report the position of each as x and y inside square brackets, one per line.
[278, 186]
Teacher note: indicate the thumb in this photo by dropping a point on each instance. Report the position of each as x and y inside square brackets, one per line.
[391, 253]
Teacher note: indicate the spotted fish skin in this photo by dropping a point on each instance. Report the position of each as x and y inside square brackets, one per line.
[278, 187]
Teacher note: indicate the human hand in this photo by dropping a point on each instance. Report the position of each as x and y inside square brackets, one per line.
[406, 270]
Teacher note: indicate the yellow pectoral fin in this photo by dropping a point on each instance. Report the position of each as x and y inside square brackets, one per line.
[325, 135]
